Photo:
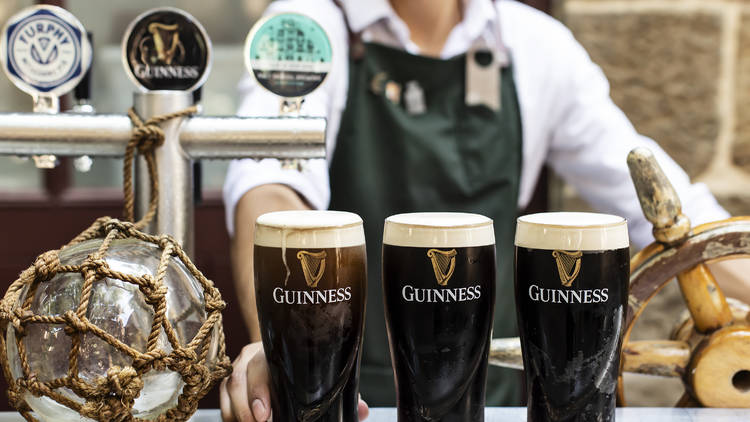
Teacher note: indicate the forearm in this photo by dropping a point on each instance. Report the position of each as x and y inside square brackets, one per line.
[733, 277]
[257, 201]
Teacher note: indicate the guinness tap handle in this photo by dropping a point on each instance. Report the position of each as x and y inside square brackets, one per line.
[82, 91]
[659, 200]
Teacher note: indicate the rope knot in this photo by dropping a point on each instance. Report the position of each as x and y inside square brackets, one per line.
[214, 304]
[94, 262]
[165, 241]
[46, 265]
[154, 359]
[114, 224]
[184, 354]
[144, 139]
[149, 136]
[146, 136]
[122, 382]
[32, 384]
[153, 291]
[113, 395]
[195, 374]
[75, 324]
[18, 319]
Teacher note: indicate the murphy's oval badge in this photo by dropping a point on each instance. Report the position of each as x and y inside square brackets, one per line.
[44, 50]
[166, 49]
[289, 54]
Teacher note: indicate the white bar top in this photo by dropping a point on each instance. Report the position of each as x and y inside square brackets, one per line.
[630, 414]
[518, 414]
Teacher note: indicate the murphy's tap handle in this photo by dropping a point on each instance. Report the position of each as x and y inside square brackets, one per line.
[659, 200]
[82, 91]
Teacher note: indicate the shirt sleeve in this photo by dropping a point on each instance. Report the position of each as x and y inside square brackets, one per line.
[327, 101]
[591, 138]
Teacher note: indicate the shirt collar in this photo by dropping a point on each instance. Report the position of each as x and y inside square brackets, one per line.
[360, 16]
[477, 14]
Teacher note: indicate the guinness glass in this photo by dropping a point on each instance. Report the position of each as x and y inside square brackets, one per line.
[571, 285]
[439, 290]
[310, 282]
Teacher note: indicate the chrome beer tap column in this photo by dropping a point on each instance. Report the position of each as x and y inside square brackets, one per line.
[167, 54]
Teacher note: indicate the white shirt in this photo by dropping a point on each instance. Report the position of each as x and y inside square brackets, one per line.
[569, 120]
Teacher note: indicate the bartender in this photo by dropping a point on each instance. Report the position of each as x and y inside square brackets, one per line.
[440, 105]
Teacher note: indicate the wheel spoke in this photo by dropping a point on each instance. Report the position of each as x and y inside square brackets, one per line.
[704, 299]
[506, 352]
[659, 358]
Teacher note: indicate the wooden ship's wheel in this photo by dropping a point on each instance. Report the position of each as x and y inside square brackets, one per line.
[710, 348]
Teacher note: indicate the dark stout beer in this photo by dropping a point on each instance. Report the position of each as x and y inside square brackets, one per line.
[310, 284]
[439, 289]
[571, 285]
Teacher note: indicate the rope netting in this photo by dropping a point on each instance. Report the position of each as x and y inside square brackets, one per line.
[111, 397]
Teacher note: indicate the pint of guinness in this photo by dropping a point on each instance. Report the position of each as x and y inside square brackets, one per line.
[439, 290]
[571, 285]
[310, 284]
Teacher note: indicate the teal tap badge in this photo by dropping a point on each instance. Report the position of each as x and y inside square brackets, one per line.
[289, 54]
[44, 50]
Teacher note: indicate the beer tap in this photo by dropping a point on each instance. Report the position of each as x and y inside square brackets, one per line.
[167, 54]
[43, 60]
[82, 105]
[289, 55]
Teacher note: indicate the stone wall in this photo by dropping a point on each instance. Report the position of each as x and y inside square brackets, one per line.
[680, 69]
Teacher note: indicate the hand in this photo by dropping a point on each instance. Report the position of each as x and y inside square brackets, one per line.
[245, 395]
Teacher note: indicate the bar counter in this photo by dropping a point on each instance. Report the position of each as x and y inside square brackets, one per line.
[518, 414]
[630, 414]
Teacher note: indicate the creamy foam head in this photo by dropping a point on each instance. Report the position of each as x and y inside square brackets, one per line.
[438, 230]
[572, 231]
[309, 229]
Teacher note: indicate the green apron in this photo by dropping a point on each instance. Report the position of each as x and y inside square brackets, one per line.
[452, 157]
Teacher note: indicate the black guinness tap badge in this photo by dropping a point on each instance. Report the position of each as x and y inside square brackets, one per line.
[568, 266]
[289, 54]
[44, 50]
[166, 49]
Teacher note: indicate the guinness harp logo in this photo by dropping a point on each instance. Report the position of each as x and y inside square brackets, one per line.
[568, 266]
[166, 49]
[443, 264]
[164, 45]
[313, 265]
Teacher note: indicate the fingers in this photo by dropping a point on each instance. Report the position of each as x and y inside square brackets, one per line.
[237, 392]
[234, 399]
[260, 411]
[362, 409]
[224, 404]
[258, 387]
[245, 395]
